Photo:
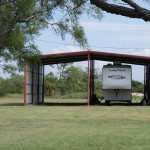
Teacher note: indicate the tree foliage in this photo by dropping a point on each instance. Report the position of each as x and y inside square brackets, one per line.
[50, 82]
[22, 20]
[69, 79]
[14, 84]
[128, 8]
[72, 79]
[137, 87]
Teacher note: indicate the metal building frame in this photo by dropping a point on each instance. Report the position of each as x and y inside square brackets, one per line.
[34, 75]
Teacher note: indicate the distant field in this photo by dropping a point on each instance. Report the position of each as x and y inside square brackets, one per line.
[116, 127]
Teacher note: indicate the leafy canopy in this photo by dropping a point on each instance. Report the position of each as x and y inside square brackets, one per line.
[22, 20]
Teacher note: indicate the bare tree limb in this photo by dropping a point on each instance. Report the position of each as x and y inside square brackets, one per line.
[132, 4]
[141, 11]
[135, 12]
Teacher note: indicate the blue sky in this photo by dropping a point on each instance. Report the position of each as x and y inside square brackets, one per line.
[118, 32]
[113, 31]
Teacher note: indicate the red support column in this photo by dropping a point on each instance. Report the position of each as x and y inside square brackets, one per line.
[43, 87]
[88, 79]
[25, 84]
[38, 84]
[32, 85]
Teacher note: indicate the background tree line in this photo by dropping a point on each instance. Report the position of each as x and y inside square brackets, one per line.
[12, 85]
[69, 81]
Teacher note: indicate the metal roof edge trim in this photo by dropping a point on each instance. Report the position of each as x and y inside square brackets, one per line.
[67, 53]
[95, 52]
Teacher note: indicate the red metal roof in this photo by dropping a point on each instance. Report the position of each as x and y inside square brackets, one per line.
[94, 55]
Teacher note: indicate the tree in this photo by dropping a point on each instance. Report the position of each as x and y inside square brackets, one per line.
[22, 20]
[137, 87]
[2, 87]
[73, 79]
[68, 79]
[126, 8]
[12, 85]
[16, 83]
[97, 81]
[61, 69]
[50, 83]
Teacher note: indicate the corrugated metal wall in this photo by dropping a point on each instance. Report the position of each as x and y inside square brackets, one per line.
[34, 84]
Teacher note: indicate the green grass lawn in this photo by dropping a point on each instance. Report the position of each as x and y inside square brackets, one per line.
[116, 127]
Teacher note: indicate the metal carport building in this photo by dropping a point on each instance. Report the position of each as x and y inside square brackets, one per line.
[34, 76]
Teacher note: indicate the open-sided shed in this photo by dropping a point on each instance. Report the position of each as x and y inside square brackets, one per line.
[34, 76]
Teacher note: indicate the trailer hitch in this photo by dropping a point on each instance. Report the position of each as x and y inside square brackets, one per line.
[116, 91]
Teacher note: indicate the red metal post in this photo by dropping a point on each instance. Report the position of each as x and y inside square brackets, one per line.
[25, 84]
[38, 84]
[88, 79]
[43, 87]
[32, 85]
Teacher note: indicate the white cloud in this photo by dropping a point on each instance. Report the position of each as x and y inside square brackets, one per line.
[129, 39]
[144, 52]
[65, 49]
[114, 26]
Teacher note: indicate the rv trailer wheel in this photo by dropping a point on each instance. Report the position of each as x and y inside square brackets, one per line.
[129, 103]
[107, 103]
[144, 102]
[148, 102]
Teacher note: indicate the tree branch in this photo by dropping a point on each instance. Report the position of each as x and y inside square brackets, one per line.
[38, 11]
[135, 12]
[3, 14]
[15, 20]
[3, 2]
[141, 11]
[11, 25]
[79, 4]
[35, 13]
[132, 4]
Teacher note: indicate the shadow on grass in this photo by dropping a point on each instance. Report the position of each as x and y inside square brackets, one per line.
[46, 104]
[121, 104]
[85, 104]
[65, 104]
[72, 104]
[12, 104]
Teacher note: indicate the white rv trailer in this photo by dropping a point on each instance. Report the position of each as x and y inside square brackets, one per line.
[116, 82]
